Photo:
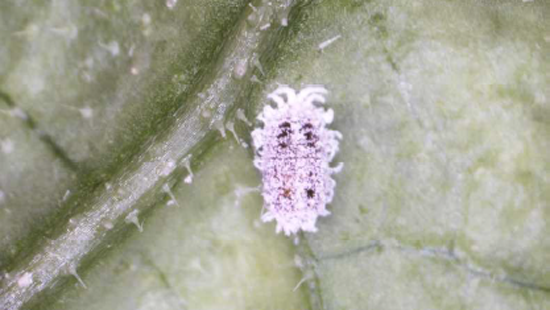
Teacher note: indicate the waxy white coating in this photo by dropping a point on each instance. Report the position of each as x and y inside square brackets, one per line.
[293, 152]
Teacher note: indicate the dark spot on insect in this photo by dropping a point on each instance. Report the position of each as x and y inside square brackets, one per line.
[310, 193]
[286, 192]
[285, 130]
[307, 126]
[283, 145]
[284, 125]
[310, 174]
[282, 134]
[308, 135]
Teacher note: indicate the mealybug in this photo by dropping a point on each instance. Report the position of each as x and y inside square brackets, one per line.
[293, 152]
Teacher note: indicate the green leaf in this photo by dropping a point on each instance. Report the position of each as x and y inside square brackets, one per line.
[126, 176]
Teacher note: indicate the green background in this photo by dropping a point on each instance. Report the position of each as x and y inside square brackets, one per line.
[444, 201]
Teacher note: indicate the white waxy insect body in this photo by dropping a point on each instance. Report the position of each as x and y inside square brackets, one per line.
[294, 149]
